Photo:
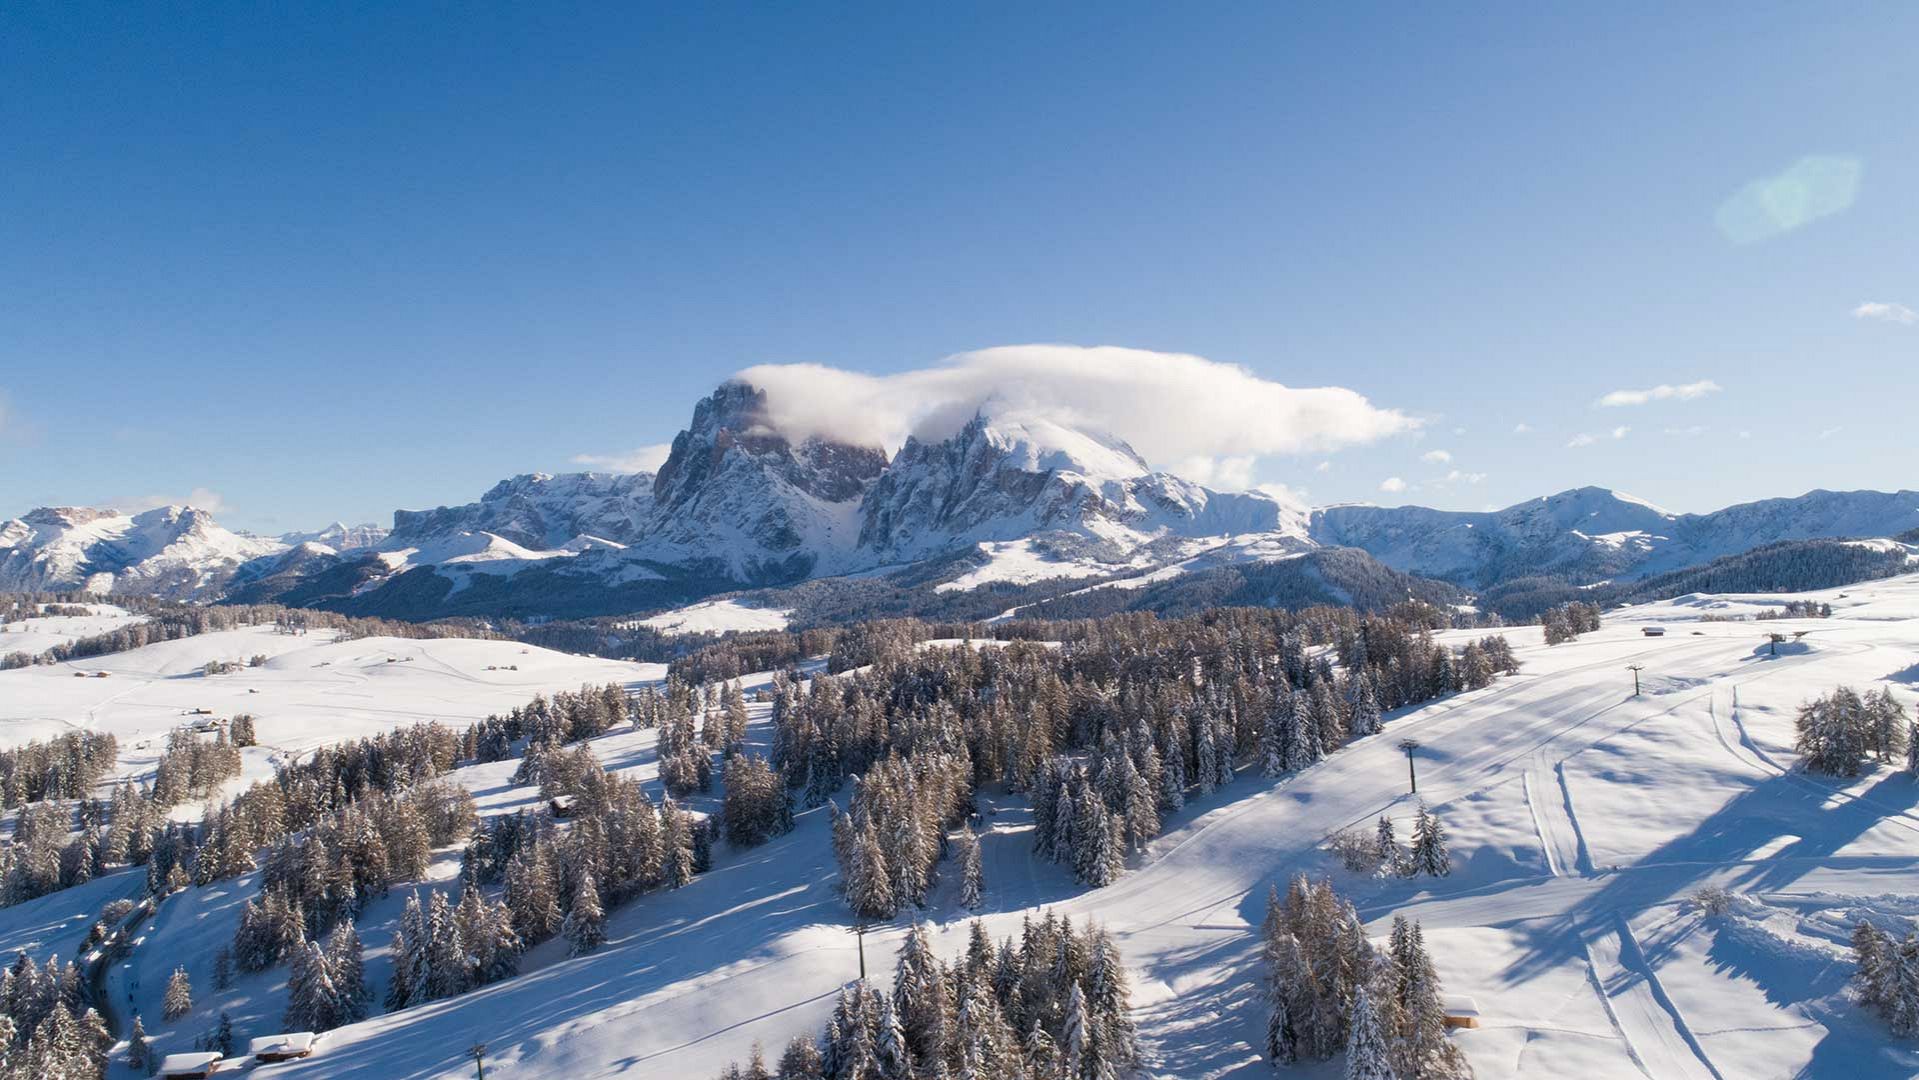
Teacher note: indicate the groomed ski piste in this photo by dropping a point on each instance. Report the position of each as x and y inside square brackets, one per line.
[1581, 818]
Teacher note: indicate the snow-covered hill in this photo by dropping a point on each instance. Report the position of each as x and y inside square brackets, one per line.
[1582, 819]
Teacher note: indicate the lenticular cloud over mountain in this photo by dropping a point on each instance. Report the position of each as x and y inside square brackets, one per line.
[1171, 407]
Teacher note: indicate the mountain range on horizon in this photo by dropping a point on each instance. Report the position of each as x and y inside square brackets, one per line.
[1008, 501]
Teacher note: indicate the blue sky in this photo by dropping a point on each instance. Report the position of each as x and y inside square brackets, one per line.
[316, 262]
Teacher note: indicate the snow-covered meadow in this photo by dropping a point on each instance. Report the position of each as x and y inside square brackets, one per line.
[1582, 820]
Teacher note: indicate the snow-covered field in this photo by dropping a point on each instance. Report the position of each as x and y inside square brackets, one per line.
[37, 635]
[310, 691]
[719, 617]
[1582, 819]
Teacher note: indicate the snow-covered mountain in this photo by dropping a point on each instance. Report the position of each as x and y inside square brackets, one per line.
[1004, 479]
[538, 511]
[340, 536]
[1591, 534]
[176, 552]
[1011, 499]
[737, 499]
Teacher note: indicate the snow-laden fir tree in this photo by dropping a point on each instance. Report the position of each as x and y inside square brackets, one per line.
[1887, 976]
[139, 1051]
[972, 877]
[586, 923]
[1366, 1052]
[1386, 847]
[1429, 845]
[1366, 717]
[1076, 1038]
[179, 996]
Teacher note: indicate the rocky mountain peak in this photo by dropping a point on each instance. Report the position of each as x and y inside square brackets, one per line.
[731, 429]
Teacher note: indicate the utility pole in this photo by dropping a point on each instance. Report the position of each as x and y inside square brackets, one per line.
[1635, 669]
[478, 1053]
[1412, 777]
[859, 931]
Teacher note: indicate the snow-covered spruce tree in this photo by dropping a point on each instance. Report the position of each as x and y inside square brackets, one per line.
[139, 1051]
[1429, 845]
[408, 983]
[1366, 716]
[585, 925]
[179, 996]
[1422, 1048]
[1366, 1053]
[346, 964]
[971, 875]
[1888, 976]
[1834, 733]
[757, 806]
[1386, 847]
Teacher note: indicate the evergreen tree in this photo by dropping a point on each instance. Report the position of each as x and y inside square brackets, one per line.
[1386, 846]
[179, 995]
[972, 880]
[1366, 1053]
[1429, 845]
[139, 1051]
[586, 922]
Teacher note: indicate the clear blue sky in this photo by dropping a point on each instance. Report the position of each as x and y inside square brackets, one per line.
[328, 260]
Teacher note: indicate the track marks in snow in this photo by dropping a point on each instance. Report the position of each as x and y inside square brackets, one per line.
[1649, 1006]
[1583, 860]
[1547, 845]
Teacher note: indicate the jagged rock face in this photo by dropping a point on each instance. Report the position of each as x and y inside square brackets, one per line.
[540, 511]
[737, 495]
[173, 551]
[731, 437]
[1004, 480]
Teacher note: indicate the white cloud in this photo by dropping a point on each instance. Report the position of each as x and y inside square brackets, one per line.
[1457, 477]
[1392, 485]
[1324, 466]
[1662, 392]
[1172, 407]
[1830, 432]
[1436, 457]
[1522, 428]
[1285, 493]
[1693, 430]
[1223, 473]
[1621, 431]
[1893, 313]
[199, 498]
[1459, 431]
[1581, 439]
[645, 459]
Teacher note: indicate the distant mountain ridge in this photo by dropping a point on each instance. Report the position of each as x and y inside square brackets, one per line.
[1010, 500]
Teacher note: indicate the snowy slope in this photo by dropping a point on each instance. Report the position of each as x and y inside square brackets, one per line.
[1581, 819]
[310, 691]
[40, 633]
